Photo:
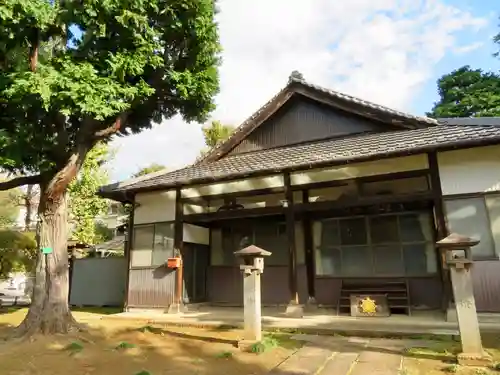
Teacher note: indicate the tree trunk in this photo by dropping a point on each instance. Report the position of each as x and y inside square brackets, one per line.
[28, 205]
[49, 311]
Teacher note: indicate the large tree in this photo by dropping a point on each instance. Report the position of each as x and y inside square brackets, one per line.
[468, 92]
[75, 73]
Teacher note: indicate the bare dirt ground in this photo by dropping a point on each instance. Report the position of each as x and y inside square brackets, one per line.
[125, 348]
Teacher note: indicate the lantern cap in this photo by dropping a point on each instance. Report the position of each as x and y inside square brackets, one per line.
[457, 240]
[252, 251]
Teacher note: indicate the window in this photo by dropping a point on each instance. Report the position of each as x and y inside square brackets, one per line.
[114, 209]
[471, 217]
[379, 245]
[153, 245]
[270, 236]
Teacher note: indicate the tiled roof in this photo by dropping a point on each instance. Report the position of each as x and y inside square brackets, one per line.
[370, 105]
[316, 154]
[493, 121]
[295, 84]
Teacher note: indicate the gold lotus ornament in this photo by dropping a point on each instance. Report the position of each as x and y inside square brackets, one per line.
[368, 306]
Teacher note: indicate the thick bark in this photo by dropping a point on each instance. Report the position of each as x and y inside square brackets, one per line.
[49, 311]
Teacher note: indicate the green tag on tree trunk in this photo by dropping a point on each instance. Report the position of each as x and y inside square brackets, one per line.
[46, 250]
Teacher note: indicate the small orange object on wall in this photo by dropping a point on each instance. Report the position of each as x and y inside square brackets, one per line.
[174, 262]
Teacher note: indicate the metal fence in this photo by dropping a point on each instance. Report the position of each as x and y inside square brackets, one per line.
[98, 281]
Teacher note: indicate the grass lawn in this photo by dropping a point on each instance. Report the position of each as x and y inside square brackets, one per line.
[438, 358]
[125, 348]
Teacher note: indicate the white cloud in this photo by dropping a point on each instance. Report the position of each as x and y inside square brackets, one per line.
[379, 50]
[468, 48]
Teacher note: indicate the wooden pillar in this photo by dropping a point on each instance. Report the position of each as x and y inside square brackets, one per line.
[309, 252]
[442, 230]
[290, 232]
[441, 227]
[178, 247]
[128, 250]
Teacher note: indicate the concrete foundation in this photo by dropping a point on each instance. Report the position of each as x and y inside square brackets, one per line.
[476, 360]
[294, 311]
[176, 308]
[247, 345]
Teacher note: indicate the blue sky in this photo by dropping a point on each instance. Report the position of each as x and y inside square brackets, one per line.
[477, 58]
[388, 51]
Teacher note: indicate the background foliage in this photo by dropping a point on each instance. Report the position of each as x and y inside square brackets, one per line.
[18, 252]
[85, 206]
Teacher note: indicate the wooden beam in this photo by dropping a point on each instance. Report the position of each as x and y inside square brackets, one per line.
[235, 214]
[236, 194]
[290, 232]
[309, 251]
[178, 245]
[315, 185]
[302, 208]
[363, 179]
[441, 226]
[363, 201]
[128, 251]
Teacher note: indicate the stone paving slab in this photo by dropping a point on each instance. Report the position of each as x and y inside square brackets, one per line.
[366, 368]
[339, 364]
[306, 361]
[327, 355]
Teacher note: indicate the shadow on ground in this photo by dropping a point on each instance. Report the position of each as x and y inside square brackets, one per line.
[123, 348]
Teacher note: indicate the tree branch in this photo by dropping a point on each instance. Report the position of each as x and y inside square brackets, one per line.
[34, 49]
[113, 129]
[20, 181]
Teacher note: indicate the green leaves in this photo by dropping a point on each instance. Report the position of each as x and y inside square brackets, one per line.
[154, 167]
[96, 60]
[17, 251]
[216, 133]
[9, 208]
[84, 204]
[468, 92]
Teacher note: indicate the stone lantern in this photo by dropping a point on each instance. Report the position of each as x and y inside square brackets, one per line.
[456, 250]
[252, 267]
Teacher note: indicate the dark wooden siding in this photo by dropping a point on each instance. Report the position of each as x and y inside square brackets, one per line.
[151, 287]
[301, 120]
[225, 285]
[424, 291]
[486, 281]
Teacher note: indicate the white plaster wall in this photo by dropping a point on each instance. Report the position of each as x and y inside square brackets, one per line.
[472, 170]
[343, 172]
[157, 207]
[233, 186]
[196, 234]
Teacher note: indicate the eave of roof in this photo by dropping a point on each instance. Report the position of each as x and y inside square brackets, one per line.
[470, 121]
[356, 148]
